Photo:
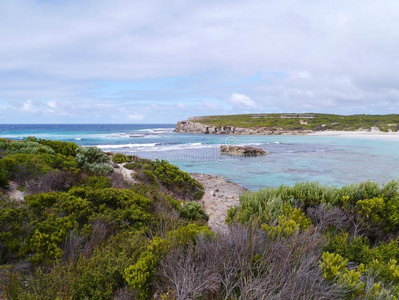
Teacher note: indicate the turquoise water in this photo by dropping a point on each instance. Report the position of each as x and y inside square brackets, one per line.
[328, 160]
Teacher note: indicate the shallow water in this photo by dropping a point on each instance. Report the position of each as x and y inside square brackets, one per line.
[328, 160]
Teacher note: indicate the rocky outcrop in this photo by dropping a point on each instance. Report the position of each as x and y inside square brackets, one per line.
[192, 126]
[242, 150]
[219, 196]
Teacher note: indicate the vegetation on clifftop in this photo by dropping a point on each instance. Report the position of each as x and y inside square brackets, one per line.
[320, 122]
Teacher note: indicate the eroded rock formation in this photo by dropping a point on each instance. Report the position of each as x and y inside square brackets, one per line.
[242, 150]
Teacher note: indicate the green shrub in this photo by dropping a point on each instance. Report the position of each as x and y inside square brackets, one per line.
[47, 237]
[98, 182]
[132, 166]
[120, 158]
[150, 176]
[334, 268]
[93, 160]
[172, 177]
[27, 146]
[292, 221]
[3, 178]
[13, 220]
[192, 211]
[140, 275]
[98, 276]
[22, 167]
[64, 148]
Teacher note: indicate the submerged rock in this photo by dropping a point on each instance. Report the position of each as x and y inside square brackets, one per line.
[242, 150]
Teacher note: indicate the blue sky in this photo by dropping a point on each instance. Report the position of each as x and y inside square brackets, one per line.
[161, 61]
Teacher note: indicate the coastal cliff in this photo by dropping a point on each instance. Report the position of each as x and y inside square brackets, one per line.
[191, 126]
[288, 123]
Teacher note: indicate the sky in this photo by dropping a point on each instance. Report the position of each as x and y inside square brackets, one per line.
[126, 61]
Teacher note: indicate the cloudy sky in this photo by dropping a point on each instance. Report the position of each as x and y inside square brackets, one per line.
[161, 61]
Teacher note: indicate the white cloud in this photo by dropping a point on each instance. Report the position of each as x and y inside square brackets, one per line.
[136, 117]
[29, 106]
[242, 100]
[52, 104]
[332, 55]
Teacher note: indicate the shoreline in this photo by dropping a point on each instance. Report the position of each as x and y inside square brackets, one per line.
[220, 195]
[192, 127]
[376, 135]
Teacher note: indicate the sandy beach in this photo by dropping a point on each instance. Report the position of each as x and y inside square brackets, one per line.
[375, 135]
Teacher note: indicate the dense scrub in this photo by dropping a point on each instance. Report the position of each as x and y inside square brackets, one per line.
[358, 223]
[165, 175]
[82, 232]
[320, 122]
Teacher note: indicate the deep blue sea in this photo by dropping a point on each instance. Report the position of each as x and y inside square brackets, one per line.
[328, 160]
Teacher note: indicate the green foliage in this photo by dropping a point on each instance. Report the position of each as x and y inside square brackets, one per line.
[150, 176]
[168, 176]
[140, 275]
[380, 212]
[12, 228]
[27, 146]
[98, 182]
[172, 177]
[3, 178]
[64, 148]
[192, 211]
[380, 259]
[120, 158]
[93, 160]
[293, 222]
[334, 268]
[283, 211]
[69, 237]
[47, 237]
[320, 122]
[132, 166]
[95, 277]
[32, 165]
[38, 229]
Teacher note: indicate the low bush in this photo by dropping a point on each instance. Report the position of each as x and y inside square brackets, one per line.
[193, 211]
[120, 158]
[24, 167]
[3, 178]
[27, 146]
[64, 148]
[93, 160]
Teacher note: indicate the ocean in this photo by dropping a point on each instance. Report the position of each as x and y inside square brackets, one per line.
[328, 160]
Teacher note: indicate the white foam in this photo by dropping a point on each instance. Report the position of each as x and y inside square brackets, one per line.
[125, 146]
[156, 130]
[158, 146]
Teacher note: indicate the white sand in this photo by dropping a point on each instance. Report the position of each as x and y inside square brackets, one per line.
[126, 173]
[376, 135]
[14, 193]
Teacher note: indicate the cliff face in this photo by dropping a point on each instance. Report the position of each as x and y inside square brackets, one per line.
[195, 127]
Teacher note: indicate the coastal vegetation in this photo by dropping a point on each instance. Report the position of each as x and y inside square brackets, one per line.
[83, 232]
[357, 227]
[317, 122]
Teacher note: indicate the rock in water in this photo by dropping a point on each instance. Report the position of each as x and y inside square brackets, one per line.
[242, 150]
